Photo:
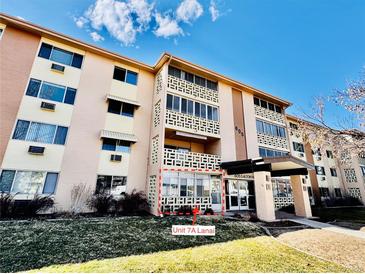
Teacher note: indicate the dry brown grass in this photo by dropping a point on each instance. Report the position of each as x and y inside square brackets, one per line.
[345, 250]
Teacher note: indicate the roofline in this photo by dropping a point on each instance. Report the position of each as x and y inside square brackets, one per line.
[165, 57]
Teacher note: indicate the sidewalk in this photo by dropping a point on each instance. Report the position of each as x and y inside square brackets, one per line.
[324, 226]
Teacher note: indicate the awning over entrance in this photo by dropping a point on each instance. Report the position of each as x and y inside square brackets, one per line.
[277, 166]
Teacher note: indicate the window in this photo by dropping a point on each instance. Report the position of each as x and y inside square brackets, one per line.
[362, 170]
[333, 172]
[270, 129]
[293, 126]
[40, 132]
[189, 77]
[324, 192]
[176, 103]
[203, 111]
[1, 33]
[120, 108]
[256, 101]
[114, 185]
[28, 182]
[179, 149]
[329, 154]
[320, 170]
[263, 103]
[116, 145]
[52, 92]
[338, 192]
[200, 81]
[184, 105]
[212, 85]
[197, 109]
[265, 152]
[317, 152]
[267, 105]
[61, 56]
[190, 107]
[271, 106]
[132, 77]
[298, 147]
[278, 109]
[174, 72]
[169, 101]
[123, 75]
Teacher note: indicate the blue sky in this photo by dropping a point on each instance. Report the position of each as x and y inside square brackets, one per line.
[294, 49]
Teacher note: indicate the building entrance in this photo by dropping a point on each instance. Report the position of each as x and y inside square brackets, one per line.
[239, 194]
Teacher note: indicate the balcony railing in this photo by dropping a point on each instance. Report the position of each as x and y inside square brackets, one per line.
[192, 89]
[172, 204]
[194, 160]
[273, 141]
[270, 115]
[193, 124]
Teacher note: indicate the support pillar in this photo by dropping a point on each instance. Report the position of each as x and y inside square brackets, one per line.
[265, 207]
[301, 197]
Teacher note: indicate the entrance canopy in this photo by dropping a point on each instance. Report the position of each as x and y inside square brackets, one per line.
[277, 166]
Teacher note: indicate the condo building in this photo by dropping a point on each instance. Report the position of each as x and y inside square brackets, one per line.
[74, 114]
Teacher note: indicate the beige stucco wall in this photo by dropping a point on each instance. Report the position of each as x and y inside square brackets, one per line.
[250, 124]
[125, 90]
[81, 156]
[119, 123]
[107, 167]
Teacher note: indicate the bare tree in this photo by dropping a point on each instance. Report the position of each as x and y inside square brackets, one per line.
[79, 196]
[348, 137]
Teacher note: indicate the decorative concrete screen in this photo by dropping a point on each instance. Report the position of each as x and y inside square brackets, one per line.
[270, 115]
[196, 125]
[350, 175]
[158, 87]
[154, 152]
[152, 191]
[157, 114]
[191, 159]
[283, 201]
[355, 192]
[273, 141]
[195, 90]
[172, 204]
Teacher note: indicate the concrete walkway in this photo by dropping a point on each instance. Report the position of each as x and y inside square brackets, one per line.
[324, 226]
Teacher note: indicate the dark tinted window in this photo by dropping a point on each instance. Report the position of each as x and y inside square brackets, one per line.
[184, 105]
[174, 72]
[109, 144]
[114, 106]
[127, 110]
[70, 96]
[212, 85]
[61, 134]
[271, 106]
[197, 109]
[33, 87]
[176, 103]
[203, 111]
[210, 113]
[50, 183]
[132, 78]
[263, 104]
[45, 51]
[190, 107]
[278, 109]
[200, 81]
[169, 101]
[119, 74]
[189, 77]
[61, 56]
[6, 180]
[256, 101]
[21, 130]
[77, 60]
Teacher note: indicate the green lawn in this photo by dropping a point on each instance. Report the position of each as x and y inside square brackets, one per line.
[35, 244]
[259, 254]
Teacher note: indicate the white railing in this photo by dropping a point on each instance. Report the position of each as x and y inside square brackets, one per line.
[269, 115]
[194, 160]
[172, 204]
[192, 89]
[193, 124]
[273, 141]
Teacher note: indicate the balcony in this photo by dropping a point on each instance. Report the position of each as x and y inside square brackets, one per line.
[192, 89]
[269, 115]
[174, 158]
[192, 124]
[272, 141]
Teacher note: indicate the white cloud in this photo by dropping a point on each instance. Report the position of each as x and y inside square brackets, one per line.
[189, 10]
[214, 12]
[123, 20]
[80, 21]
[96, 36]
[166, 26]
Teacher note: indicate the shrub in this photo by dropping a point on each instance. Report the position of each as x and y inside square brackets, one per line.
[288, 208]
[185, 210]
[343, 201]
[253, 217]
[134, 203]
[102, 203]
[30, 208]
[209, 211]
[6, 204]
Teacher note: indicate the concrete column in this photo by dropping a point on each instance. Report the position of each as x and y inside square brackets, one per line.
[301, 198]
[265, 208]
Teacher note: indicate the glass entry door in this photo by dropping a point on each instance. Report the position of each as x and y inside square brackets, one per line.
[237, 195]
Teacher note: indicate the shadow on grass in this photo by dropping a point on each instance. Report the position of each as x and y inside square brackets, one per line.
[35, 244]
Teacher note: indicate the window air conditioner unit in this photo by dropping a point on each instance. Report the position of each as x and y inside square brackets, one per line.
[48, 106]
[36, 150]
[115, 158]
[57, 68]
[301, 155]
[319, 158]
[323, 178]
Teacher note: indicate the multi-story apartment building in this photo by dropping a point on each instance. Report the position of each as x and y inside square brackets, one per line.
[74, 114]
